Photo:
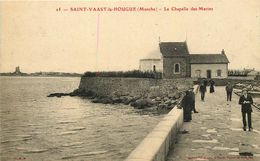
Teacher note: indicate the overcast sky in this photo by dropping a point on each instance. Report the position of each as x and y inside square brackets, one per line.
[36, 37]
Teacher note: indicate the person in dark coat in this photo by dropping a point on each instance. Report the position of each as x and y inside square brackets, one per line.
[246, 101]
[193, 100]
[186, 104]
[212, 83]
[202, 91]
[229, 90]
[205, 82]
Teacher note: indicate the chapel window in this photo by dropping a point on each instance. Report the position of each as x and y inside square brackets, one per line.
[177, 68]
[219, 73]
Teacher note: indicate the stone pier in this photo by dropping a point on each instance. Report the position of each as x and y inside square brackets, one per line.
[215, 133]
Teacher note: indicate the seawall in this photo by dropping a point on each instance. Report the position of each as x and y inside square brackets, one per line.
[224, 81]
[144, 87]
[156, 144]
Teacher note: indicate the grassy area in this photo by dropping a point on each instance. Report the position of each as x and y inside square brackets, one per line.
[241, 73]
[126, 74]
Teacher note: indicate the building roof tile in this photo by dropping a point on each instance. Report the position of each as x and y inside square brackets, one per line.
[208, 59]
[174, 48]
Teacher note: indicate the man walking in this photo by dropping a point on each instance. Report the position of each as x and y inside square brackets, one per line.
[202, 91]
[246, 101]
[229, 90]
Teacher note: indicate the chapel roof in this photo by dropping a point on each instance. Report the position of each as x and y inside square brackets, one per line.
[174, 48]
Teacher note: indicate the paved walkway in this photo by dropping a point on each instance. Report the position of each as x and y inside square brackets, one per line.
[215, 133]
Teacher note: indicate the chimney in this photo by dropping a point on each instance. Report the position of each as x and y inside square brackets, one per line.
[223, 51]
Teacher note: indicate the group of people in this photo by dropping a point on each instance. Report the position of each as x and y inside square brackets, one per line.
[245, 100]
[203, 88]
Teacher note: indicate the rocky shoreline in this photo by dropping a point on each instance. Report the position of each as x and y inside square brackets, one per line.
[155, 95]
[159, 103]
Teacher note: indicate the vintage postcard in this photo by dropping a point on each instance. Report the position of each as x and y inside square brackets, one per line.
[175, 80]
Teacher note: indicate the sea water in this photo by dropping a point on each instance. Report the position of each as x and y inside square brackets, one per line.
[35, 127]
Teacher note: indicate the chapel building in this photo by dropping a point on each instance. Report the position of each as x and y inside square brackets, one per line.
[175, 61]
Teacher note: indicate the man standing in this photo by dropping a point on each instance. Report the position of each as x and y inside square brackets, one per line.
[202, 91]
[229, 90]
[186, 104]
[246, 101]
[205, 82]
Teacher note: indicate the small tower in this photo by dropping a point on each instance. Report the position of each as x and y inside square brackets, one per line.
[17, 70]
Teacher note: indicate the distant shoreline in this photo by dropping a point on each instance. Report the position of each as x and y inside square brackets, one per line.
[37, 76]
[41, 75]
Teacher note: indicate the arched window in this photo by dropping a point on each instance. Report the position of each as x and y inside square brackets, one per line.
[154, 68]
[176, 68]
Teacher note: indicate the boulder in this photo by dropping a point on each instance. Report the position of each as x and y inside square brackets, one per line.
[96, 100]
[150, 102]
[127, 100]
[169, 106]
[133, 104]
[106, 101]
[116, 100]
[158, 98]
[162, 106]
[168, 102]
[174, 102]
[177, 96]
[142, 103]
[137, 97]
[58, 94]
[165, 98]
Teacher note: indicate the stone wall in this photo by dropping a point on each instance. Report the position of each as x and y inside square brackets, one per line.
[224, 81]
[168, 67]
[144, 87]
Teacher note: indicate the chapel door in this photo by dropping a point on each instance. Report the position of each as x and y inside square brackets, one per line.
[208, 73]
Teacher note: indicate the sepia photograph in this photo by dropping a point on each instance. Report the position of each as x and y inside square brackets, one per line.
[171, 80]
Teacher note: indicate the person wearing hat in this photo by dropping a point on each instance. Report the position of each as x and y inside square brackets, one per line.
[246, 101]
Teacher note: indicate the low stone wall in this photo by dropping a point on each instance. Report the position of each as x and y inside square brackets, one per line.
[158, 94]
[108, 86]
[156, 145]
[242, 78]
[223, 82]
